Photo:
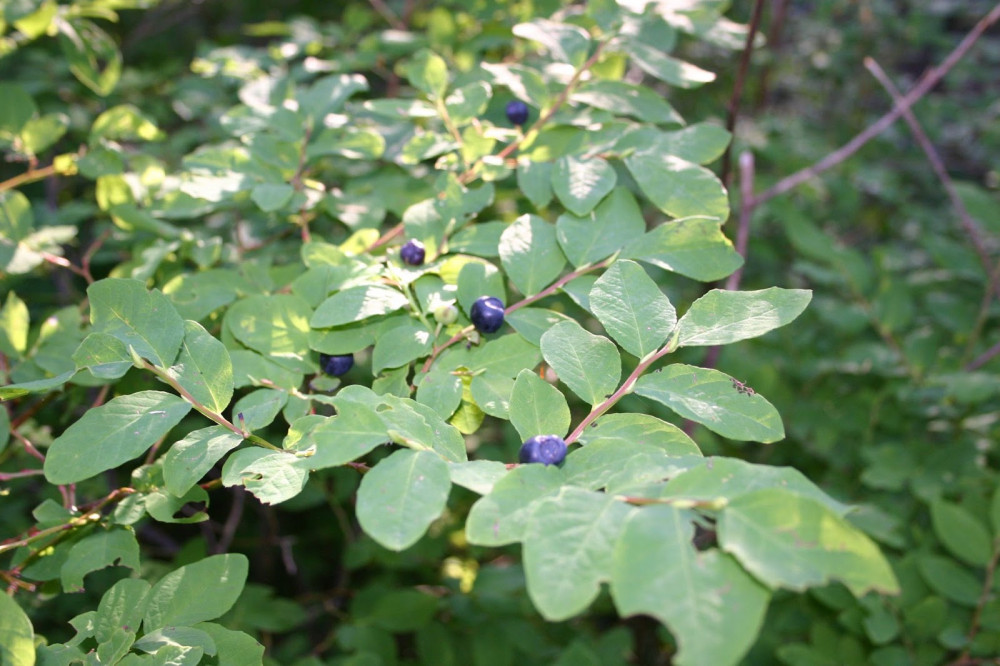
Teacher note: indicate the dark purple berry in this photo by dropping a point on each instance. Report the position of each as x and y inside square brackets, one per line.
[517, 112]
[412, 253]
[336, 365]
[487, 314]
[545, 449]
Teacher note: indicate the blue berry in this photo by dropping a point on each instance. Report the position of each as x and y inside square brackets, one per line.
[517, 112]
[412, 253]
[336, 365]
[545, 449]
[487, 314]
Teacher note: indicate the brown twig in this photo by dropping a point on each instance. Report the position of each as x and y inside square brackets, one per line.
[733, 108]
[926, 83]
[968, 224]
[984, 597]
[983, 358]
[747, 208]
[385, 11]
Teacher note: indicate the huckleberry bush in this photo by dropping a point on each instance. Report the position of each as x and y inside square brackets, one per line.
[226, 274]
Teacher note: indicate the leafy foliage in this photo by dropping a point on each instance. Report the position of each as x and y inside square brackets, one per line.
[165, 404]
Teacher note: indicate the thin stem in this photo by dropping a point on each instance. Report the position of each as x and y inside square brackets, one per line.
[78, 521]
[29, 176]
[733, 110]
[984, 597]
[622, 391]
[205, 411]
[7, 476]
[937, 164]
[926, 83]
[28, 446]
[983, 358]
[385, 11]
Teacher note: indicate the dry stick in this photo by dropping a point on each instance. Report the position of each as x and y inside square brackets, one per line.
[741, 76]
[747, 207]
[386, 12]
[928, 81]
[970, 226]
[983, 358]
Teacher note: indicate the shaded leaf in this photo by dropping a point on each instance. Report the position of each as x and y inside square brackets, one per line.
[401, 496]
[588, 364]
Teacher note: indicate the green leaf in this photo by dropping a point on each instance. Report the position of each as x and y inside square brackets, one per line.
[123, 605]
[357, 303]
[588, 364]
[694, 247]
[272, 476]
[608, 228]
[191, 458]
[565, 42]
[711, 605]
[428, 72]
[401, 344]
[666, 68]
[632, 308]
[180, 598]
[14, 322]
[329, 93]
[104, 548]
[479, 278]
[38, 134]
[721, 317]
[678, 187]
[627, 99]
[259, 408]
[524, 82]
[124, 123]
[12, 391]
[568, 549]
[609, 463]
[141, 319]
[18, 108]
[468, 102]
[506, 355]
[711, 398]
[112, 434]
[104, 355]
[479, 476]
[440, 390]
[532, 323]
[401, 496]
[537, 407]
[581, 183]
[275, 325]
[491, 391]
[534, 179]
[500, 518]
[962, 534]
[353, 432]
[530, 254]
[92, 54]
[235, 648]
[17, 637]
[643, 429]
[701, 143]
[950, 579]
[270, 197]
[204, 368]
[788, 540]
[419, 427]
[729, 478]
